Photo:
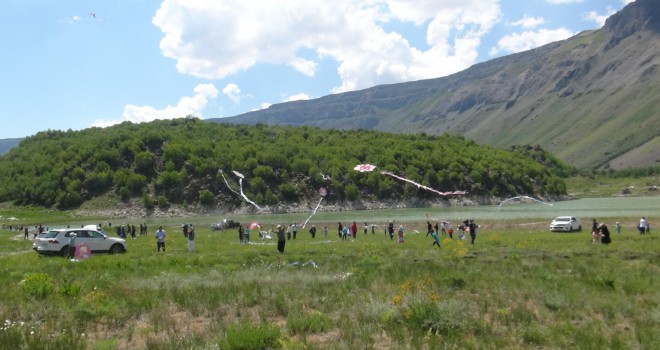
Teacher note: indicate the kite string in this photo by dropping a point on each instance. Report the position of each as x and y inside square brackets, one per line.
[314, 212]
[412, 182]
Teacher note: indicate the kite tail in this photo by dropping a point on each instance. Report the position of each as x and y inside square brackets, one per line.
[314, 212]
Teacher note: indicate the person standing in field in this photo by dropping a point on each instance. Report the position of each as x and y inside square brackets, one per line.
[473, 230]
[191, 238]
[642, 226]
[604, 234]
[294, 228]
[312, 231]
[281, 238]
[618, 227]
[240, 233]
[390, 230]
[400, 234]
[353, 229]
[160, 239]
[325, 231]
[366, 228]
[340, 229]
[246, 236]
[72, 246]
[429, 228]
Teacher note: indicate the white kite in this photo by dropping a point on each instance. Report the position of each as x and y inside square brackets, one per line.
[369, 167]
[240, 183]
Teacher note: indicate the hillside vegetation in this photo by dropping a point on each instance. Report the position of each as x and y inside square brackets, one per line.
[591, 100]
[180, 161]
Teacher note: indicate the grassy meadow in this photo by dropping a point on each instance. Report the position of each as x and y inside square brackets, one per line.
[518, 287]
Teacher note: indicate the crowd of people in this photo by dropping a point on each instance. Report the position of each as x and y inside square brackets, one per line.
[600, 232]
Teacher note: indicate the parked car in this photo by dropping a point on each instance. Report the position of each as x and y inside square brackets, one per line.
[566, 223]
[225, 224]
[56, 242]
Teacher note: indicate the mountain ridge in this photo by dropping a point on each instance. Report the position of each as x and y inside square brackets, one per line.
[592, 99]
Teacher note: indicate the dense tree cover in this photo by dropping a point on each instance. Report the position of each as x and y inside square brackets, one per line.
[180, 161]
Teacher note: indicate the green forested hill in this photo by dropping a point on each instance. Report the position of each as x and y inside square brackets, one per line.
[178, 161]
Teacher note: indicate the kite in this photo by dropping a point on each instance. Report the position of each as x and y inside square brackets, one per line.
[369, 167]
[521, 198]
[240, 182]
[323, 192]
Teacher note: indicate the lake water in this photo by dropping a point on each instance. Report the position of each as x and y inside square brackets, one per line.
[586, 209]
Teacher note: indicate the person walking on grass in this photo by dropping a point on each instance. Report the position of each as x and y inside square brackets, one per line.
[429, 228]
[160, 239]
[191, 238]
[436, 239]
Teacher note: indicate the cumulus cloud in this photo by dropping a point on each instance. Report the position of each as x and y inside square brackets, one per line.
[563, 1]
[233, 92]
[626, 2]
[297, 97]
[188, 105]
[214, 40]
[527, 40]
[529, 22]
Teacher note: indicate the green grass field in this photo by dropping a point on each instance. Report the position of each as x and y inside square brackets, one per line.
[518, 287]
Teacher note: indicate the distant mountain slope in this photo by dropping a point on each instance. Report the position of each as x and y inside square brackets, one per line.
[589, 99]
[7, 144]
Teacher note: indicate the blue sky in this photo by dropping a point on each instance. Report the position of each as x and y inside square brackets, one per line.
[74, 64]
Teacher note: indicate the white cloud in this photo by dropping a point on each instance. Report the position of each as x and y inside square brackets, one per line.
[188, 105]
[217, 39]
[517, 42]
[233, 92]
[529, 22]
[564, 1]
[297, 97]
[598, 18]
[626, 2]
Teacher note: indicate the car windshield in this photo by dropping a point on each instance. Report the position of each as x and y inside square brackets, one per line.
[563, 219]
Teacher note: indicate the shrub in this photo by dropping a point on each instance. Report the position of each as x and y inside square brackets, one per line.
[246, 336]
[38, 285]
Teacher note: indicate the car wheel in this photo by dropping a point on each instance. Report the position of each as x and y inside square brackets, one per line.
[65, 251]
[570, 229]
[580, 228]
[117, 248]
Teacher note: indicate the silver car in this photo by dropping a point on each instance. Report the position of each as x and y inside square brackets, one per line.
[56, 242]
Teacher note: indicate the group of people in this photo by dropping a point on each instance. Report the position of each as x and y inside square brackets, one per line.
[447, 229]
[643, 227]
[600, 233]
[124, 231]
